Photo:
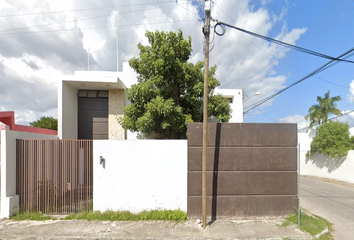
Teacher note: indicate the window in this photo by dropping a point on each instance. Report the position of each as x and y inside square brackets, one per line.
[92, 94]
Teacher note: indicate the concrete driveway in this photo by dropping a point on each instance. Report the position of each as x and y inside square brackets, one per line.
[331, 200]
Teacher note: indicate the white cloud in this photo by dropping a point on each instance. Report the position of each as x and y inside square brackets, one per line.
[35, 60]
[302, 123]
[348, 118]
[351, 92]
[246, 62]
[300, 120]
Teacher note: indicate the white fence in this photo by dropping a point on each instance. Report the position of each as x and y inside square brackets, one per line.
[322, 166]
[138, 175]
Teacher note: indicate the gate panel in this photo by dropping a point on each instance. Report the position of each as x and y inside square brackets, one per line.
[54, 176]
[251, 170]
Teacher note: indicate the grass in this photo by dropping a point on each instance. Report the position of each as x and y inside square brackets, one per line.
[311, 224]
[33, 216]
[174, 215]
[164, 215]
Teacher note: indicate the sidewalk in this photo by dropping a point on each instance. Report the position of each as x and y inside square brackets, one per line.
[81, 229]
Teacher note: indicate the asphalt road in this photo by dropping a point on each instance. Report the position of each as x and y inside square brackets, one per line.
[332, 201]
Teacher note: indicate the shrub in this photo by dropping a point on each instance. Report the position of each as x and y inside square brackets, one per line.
[332, 139]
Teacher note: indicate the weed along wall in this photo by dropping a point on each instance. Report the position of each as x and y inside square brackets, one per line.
[137, 175]
[251, 170]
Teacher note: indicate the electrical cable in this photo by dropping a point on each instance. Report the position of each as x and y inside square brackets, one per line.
[82, 19]
[326, 24]
[259, 108]
[187, 9]
[253, 84]
[80, 10]
[320, 69]
[100, 27]
[328, 119]
[304, 50]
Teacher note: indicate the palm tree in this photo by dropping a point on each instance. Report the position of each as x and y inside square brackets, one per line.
[318, 113]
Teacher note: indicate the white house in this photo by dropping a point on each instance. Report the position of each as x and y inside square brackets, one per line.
[89, 103]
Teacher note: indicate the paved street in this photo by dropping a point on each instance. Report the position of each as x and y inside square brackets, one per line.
[333, 201]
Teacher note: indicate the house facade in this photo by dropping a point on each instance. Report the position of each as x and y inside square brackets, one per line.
[90, 103]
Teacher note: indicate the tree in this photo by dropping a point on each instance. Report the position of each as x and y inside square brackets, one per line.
[318, 113]
[45, 122]
[332, 138]
[169, 93]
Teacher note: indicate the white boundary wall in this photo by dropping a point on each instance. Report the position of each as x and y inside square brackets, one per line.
[322, 166]
[9, 199]
[140, 175]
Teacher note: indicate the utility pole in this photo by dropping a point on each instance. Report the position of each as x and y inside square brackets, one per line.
[206, 31]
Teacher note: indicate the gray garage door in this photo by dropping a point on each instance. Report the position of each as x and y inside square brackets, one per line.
[92, 114]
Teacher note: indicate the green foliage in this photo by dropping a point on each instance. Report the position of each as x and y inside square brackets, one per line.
[45, 122]
[332, 138]
[33, 216]
[351, 141]
[169, 93]
[311, 224]
[174, 215]
[318, 113]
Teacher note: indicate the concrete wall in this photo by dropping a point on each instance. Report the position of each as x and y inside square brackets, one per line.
[116, 102]
[9, 199]
[319, 165]
[251, 170]
[140, 175]
[67, 111]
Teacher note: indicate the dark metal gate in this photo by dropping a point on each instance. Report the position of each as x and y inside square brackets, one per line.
[251, 170]
[54, 176]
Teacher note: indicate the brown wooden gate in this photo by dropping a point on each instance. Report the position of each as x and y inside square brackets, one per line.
[54, 176]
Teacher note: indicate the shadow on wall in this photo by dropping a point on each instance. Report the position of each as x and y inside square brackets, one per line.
[323, 161]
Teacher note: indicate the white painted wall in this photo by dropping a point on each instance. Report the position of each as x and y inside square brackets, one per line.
[319, 165]
[67, 111]
[128, 75]
[236, 105]
[140, 175]
[9, 199]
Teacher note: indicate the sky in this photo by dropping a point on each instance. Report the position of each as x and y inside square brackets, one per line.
[40, 40]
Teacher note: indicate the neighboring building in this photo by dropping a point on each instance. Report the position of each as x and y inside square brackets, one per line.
[235, 97]
[89, 103]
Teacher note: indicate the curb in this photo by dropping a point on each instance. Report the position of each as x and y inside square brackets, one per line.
[322, 233]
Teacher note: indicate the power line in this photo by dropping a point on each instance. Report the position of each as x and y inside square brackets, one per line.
[82, 19]
[328, 119]
[304, 50]
[259, 108]
[252, 85]
[187, 9]
[100, 27]
[320, 69]
[79, 10]
[326, 24]
[271, 53]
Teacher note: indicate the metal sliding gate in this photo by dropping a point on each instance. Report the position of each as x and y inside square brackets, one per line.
[54, 176]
